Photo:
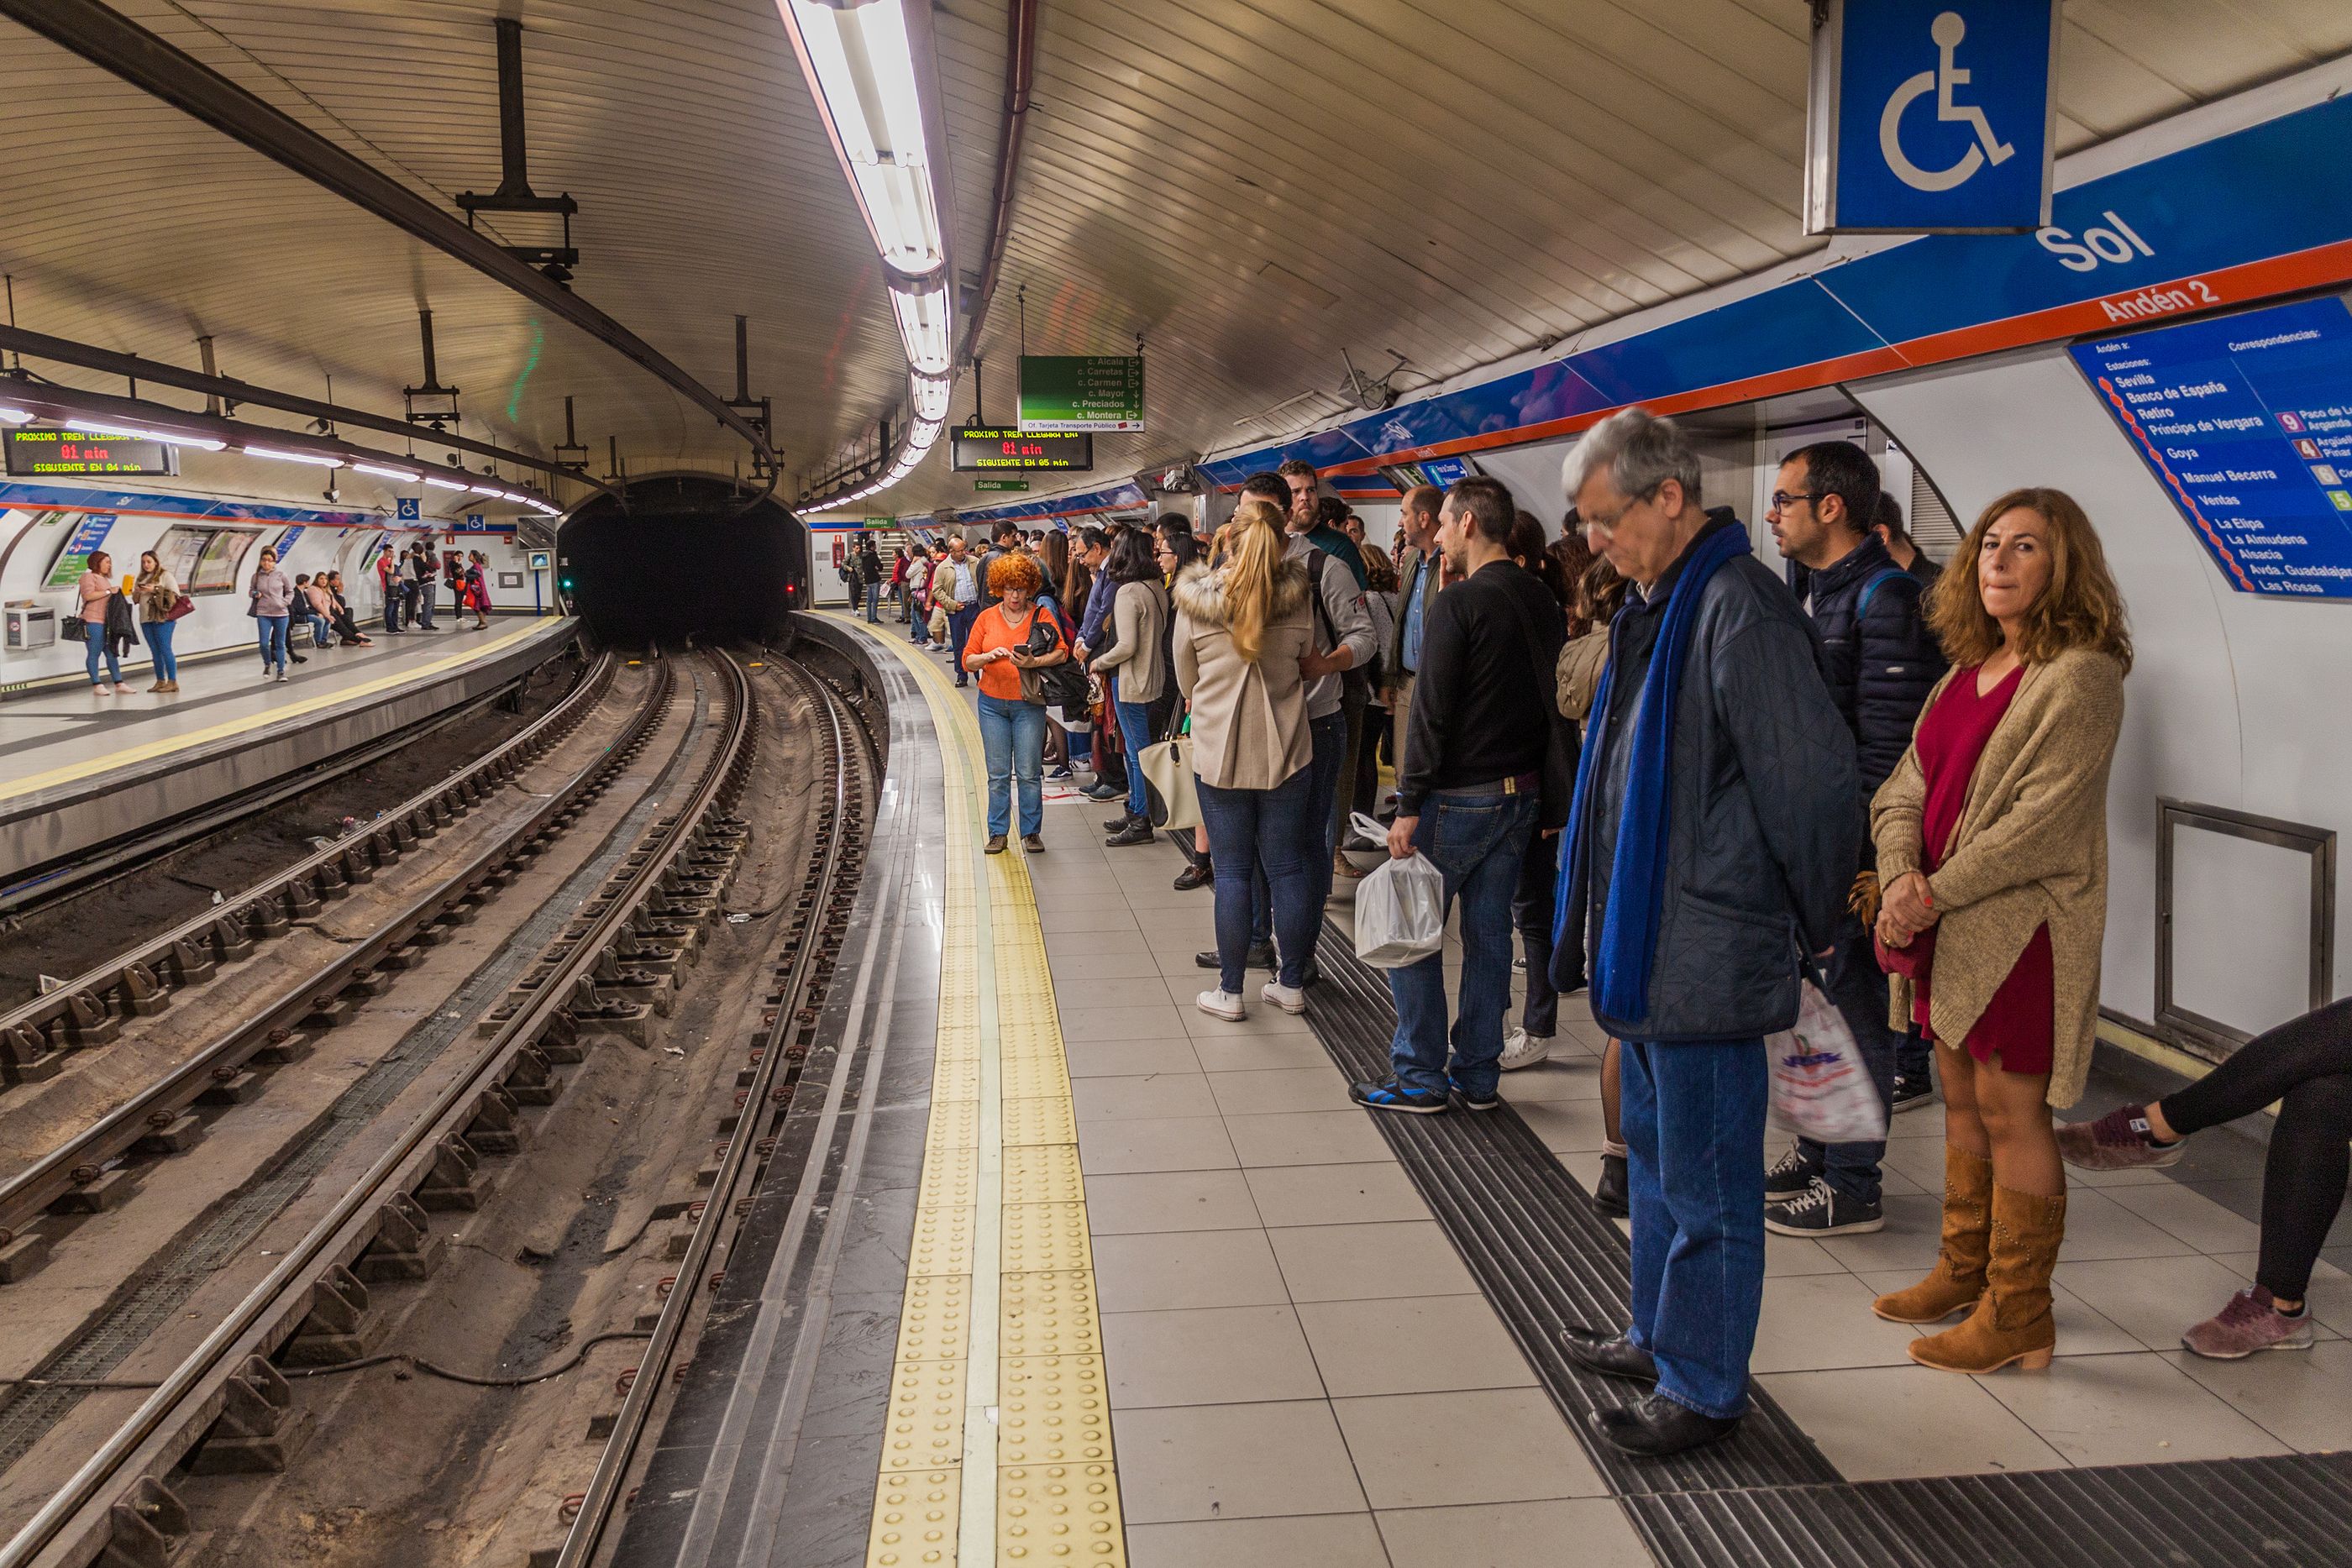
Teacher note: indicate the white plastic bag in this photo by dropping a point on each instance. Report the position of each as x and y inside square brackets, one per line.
[1399, 907]
[1820, 1088]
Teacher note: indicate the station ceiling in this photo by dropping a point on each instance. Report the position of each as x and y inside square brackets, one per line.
[1251, 186]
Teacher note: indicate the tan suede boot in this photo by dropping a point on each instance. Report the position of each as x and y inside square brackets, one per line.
[2013, 1321]
[1959, 1276]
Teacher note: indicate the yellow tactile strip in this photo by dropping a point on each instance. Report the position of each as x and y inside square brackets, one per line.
[998, 1448]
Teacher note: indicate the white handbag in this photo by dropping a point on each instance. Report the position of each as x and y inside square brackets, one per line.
[1168, 768]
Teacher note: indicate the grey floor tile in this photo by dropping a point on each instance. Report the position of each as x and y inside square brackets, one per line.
[2128, 1410]
[1412, 1346]
[1077, 969]
[2302, 1397]
[1335, 1195]
[1058, 919]
[1358, 1263]
[1123, 941]
[1172, 1143]
[1233, 1461]
[2082, 1331]
[1129, 1058]
[1317, 1087]
[1477, 1446]
[1796, 1255]
[1567, 1074]
[2151, 1299]
[1170, 1200]
[1208, 1356]
[1145, 990]
[1120, 1023]
[1264, 1017]
[1815, 1321]
[1316, 1541]
[2190, 1215]
[1307, 1137]
[1913, 1229]
[1585, 1532]
[1157, 1094]
[1565, 1125]
[1186, 1268]
[1877, 1423]
[1264, 1053]
[2099, 1226]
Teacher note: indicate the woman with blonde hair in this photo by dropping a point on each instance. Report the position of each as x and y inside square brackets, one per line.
[1241, 629]
[1992, 853]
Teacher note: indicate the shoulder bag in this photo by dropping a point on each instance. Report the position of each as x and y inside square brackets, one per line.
[1562, 746]
[1062, 685]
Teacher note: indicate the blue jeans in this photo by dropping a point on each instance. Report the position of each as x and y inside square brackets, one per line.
[1261, 831]
[1013, 736]
[919, 626]
[159, 643]
[1858, 985]
[96, 646]
[873, 601]
[322, 634]
[1135, 731]
[1330, 738]
[272, 628]
[959, 634]
[392, 607]
[1693, 1120]
[1531, 911]
[1478, 841]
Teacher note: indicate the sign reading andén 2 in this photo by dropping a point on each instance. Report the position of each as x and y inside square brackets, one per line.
[1931, 117]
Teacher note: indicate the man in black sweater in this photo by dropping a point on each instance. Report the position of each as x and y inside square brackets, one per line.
[1469, 794]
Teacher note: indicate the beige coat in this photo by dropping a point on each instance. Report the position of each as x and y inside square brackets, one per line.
[943, 584]
[1581, 659]
[2030, 848]
[1138, 620]
[1249, 721]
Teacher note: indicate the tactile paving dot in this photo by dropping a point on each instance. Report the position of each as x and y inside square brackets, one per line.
[951, 1176]
[1043, 1173]
[1049, 1315]
[925, 1427]
[1037, 1077]
[1059, 1513]
[935, 1322]
[1051, 1410]
[1048, 1120]
[914, 1514]
[1046, 1236]
[941, 1243]
[955, 1123]
[956, 1078]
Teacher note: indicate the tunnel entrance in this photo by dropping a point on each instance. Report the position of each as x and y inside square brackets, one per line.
[689, 556]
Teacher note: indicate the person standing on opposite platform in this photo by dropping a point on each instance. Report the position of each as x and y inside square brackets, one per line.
[159, 595]
[955, 590]
[1881, 662]
[387, 581]
[1712, 843]
[1001, 647]
[92, 592]
[1992, 856]
[1420, 574]
[1243, 631]
[869, 576]
[424, 573]
[270, 601]
[1470, 796]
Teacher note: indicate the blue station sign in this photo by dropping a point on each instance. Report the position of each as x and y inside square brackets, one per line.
[1931, 117]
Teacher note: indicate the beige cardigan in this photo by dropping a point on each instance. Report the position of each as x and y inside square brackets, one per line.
[1249, 721]
[2030, 848]
[1138, 617]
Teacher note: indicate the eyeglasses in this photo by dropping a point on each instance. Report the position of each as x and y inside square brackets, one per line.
[1606, 523]
[1781, 499]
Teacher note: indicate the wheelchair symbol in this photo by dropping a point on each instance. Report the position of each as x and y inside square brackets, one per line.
[1948, 31]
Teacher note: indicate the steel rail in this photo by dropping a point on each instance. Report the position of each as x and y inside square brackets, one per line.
[74, 1525]
[588, 1530]
[35, 1035]
[80, 1160]
[113, 42]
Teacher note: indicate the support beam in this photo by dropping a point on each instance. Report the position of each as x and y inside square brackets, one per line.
[113, 42]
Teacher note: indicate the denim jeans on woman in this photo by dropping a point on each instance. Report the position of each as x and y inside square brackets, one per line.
[1135, 733]
[95, 646]
[272, 631]
[1477, 841]
[1252, 831]
[1013, 737]
[159, 643]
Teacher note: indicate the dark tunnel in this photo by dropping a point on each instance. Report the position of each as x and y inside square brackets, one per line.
[686, 558]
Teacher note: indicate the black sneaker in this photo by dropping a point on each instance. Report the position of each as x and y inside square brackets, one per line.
[1789, 1179]
[1257, 957]
[1819, 1210]
[1137, 830]
[1910, 1094]
[1610, 1197]
[1489, 1101]
[1391, 1095]
[1098, 790]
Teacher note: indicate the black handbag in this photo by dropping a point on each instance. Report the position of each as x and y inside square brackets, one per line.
[74, 628]
[1062, 685]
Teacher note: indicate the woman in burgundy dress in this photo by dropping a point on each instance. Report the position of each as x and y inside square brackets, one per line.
[1992, 851]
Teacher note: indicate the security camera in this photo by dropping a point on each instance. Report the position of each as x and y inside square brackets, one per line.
[454, 460]
[334, 493]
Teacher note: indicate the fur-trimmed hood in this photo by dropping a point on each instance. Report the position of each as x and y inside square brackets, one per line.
[1201, 593]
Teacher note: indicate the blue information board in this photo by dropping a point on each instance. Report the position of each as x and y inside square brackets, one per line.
[2246, 421]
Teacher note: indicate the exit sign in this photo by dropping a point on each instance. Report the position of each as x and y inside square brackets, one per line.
[1018, 487]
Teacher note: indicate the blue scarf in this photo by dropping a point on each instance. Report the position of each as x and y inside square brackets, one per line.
[1628, 930]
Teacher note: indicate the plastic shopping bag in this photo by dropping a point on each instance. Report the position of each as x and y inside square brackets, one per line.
[1399, 908]
[1820, 1088]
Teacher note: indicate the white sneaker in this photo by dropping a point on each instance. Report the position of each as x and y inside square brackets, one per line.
[1289, 999]
[1521, 1049]
[1227, 1005]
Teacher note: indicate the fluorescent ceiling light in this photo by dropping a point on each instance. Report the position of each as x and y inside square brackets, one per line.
[925, 433]
[15, 416]
[137, 432]
[923, 328]
[929, 396]
[485, 489]
[863, 69]
[439, 484]
[275, 456]
[406, 475]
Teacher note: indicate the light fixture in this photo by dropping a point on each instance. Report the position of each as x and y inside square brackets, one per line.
[923, 435]
[14, 415]
[929, 396]
[381, 471]
[440, 484]
[485, 489]
[138, 432]
[275, 456]
[861, 66]
[923, 328]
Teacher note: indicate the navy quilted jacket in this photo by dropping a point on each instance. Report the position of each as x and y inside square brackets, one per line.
[1881, 663]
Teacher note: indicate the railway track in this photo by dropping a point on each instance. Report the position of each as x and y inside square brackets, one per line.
[227, 1404]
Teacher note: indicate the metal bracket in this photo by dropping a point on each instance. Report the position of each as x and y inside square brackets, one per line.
[514, 194]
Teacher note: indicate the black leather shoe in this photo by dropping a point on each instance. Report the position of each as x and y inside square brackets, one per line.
[1260, 958]
[1609, 1196]
[1615, 1355]
[1193, 876]
[1137, 830]
[1114, 824]
[1658, 1426]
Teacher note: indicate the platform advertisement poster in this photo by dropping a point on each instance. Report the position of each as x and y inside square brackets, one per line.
[2246, 422]
[1081, 391]
[74, 559]
[285, 542]
[1930, 116]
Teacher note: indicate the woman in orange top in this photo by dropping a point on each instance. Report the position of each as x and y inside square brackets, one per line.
[1011, 725]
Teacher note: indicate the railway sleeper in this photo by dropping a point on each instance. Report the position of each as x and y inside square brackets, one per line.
[258, 1428]
[84, 1020]
[339, 1327]
[173, 1135]
[147, 1527]
[100, 1191]
[498, 1127]
[187, 964]
[230, 1086]
[265, 917]
[406, 1246]
[455, 1180]
[27, 1056]
[230, 939]
[138, 992]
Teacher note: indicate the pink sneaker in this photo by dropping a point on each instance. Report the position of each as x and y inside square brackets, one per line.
[2249, 1324]
[2117, 1142]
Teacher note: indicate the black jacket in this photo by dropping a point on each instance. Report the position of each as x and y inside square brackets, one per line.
[1764, 824]
[1880, 661]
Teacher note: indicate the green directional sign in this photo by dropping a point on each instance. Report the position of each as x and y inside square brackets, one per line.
[1017, 486]
[1081, 391]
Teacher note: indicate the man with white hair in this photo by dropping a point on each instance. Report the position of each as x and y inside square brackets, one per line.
[1712, 840]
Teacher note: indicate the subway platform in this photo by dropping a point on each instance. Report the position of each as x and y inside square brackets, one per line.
[1056, 1268]
[78, 771]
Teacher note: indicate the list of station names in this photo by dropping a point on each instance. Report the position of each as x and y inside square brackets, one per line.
[2246, 421]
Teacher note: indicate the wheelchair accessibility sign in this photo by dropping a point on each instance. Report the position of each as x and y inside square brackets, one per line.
[1931, 117]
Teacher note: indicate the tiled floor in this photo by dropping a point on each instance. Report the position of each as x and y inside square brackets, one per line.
[1302, 1371]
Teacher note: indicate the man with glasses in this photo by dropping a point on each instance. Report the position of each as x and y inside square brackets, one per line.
[1714, 830]
[1881, 661]
[1420, 574]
